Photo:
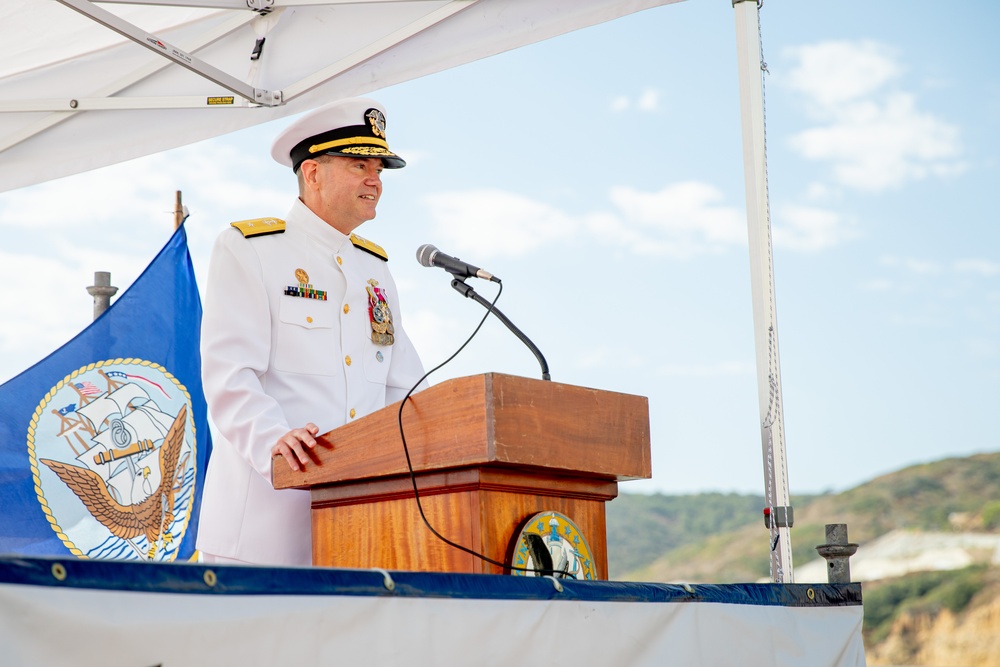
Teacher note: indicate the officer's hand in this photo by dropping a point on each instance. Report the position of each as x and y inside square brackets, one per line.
[296, 446]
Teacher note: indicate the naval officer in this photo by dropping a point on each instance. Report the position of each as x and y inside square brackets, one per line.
[301, 334]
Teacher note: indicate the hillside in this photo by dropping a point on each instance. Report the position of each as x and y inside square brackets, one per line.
[930, 553]
[720, 538]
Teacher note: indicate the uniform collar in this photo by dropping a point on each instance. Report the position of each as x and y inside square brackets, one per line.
[304, 220]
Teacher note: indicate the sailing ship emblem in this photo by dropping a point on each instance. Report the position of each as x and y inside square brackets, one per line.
[113, 454]
[551, 544]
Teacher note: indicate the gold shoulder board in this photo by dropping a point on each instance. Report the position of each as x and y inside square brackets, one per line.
[260, 226]
[369, 247]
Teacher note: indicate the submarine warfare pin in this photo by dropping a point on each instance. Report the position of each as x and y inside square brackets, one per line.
[379, 315]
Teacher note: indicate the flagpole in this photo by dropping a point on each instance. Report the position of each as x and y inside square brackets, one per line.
[178, 211]
[778, 516]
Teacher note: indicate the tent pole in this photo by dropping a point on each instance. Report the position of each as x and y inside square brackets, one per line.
[778, 511]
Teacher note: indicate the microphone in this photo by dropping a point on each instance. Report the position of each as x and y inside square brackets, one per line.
[429, 255]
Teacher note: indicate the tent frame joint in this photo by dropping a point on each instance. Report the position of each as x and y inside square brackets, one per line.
[175, 54]
[261, 6]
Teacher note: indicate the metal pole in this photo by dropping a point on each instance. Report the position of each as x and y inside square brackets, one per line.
[837, 551]
[778, 512]
[102, 291]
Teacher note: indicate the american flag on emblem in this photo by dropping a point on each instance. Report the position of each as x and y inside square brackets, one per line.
[87, 388]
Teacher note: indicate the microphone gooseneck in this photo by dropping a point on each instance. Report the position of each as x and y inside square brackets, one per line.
[469, 293]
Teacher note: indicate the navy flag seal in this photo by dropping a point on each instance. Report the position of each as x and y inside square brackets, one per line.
[113, 455]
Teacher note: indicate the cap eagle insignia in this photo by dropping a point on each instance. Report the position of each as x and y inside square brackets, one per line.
[377, 120]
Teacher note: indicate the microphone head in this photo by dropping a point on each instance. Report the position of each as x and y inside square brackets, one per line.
[425, 254]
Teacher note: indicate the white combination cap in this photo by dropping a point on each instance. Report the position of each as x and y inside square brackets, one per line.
[353, 128]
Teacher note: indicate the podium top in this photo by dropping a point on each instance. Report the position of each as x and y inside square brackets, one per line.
[491, 419]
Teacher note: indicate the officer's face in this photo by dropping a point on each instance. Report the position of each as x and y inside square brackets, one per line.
[347, 190]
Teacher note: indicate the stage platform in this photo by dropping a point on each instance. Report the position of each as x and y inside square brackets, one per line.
[87, 612]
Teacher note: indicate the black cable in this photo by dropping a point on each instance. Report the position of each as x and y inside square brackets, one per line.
[409, 464]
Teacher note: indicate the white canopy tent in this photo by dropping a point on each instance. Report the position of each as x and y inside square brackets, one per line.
[72, 82]
[100, 83]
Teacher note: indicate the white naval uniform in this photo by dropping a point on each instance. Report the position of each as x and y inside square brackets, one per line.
[271, 363]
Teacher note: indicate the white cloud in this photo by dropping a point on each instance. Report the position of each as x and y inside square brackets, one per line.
[809, 229]
[413, 156]
[44, 281]
[648, 101]
[424, 327]
[494, 223]
[948, 281]
[620, 103]
[913, 265]
[982, 267]
[96, 197]
[832, 73]
[144, 189]
[877, 145]
[819, 192]
[873, 135]
[681, 220]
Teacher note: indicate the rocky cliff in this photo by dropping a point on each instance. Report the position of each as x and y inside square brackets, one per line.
[942, 638]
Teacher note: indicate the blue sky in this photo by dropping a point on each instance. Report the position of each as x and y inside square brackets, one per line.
[599, 174]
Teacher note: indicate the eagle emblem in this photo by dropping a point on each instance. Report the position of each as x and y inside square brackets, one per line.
[377, 121]
[115, 465]
[151, 517]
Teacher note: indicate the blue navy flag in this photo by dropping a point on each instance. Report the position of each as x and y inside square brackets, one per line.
[105, 442]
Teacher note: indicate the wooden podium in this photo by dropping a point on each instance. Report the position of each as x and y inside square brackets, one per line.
[489, 451]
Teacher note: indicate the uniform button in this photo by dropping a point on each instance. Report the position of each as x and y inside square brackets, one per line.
[353, 413]
[347, 360]
[309, 319]
[346, 308]
[339, 260]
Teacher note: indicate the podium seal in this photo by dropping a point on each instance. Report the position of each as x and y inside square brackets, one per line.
[550, 544]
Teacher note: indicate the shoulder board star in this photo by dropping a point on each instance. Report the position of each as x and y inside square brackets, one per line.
[369, 247]
[259, 226]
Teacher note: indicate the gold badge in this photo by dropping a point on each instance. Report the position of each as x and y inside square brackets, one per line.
[301, 276]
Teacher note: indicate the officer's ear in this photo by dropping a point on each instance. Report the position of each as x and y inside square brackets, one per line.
[308, 174]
